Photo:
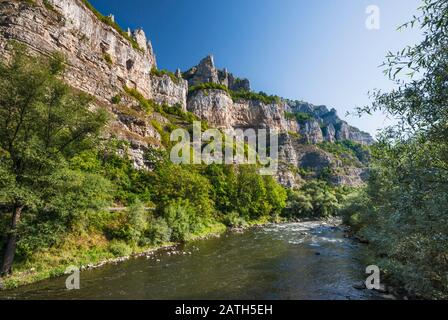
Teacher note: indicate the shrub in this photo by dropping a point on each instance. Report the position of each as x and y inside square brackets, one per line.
[137, 222]
[316, 199]
[234, 220]
[300, 117]
[181, 218]
[119, 248]
[107, 57]
[260, 96]
[208, 86]
[181, 182]
[161, 73]
[146, 104]
[116, 99]
[158, 232]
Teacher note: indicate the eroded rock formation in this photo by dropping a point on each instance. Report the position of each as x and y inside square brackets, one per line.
[103, 61]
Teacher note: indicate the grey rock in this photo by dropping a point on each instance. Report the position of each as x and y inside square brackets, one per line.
[359, 285]
[206, 72]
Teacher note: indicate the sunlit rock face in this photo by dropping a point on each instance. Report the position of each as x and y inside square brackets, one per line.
[206, 72]
[102, 61]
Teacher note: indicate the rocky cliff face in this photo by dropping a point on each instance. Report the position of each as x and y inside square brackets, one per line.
[102, 61]
[302, 127]
[220, 111]
[206, 72]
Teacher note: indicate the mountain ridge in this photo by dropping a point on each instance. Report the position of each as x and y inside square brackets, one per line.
[110, 64]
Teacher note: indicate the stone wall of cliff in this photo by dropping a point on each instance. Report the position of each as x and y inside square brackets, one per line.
[103, 61]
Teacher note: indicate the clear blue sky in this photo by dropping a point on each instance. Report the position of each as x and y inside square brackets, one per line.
[314, 50]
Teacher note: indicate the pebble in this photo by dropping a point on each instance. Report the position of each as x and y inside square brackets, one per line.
[382, 289]
[359, 285]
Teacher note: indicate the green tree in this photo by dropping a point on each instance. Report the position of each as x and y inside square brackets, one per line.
[405, 215]
[42, 123]
[172, 182]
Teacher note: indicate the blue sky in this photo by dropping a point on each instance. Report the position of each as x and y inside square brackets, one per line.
[319, 51]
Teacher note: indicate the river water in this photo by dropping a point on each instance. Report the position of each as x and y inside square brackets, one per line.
[290, 261]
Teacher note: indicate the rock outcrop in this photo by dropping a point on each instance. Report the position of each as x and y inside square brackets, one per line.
[331, 126]
[206, 72]
[102, 60]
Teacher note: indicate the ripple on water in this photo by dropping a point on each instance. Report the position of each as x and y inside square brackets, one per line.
[274, 262]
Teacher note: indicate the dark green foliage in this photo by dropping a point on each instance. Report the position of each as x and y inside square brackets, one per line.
[234, 220]
[236, 95]
[172, 182]
[316, 199]
[128, 183]
[72, 205]
[176, 110]
[242, 190]
[347, 151]
[159, 232]
[260, 96]
[146, 104]
[300, 117]
[181, 218]
[208, 86]
[160, 73]
[403, 210]
[43, 124]
[116, 99]
[120, 249]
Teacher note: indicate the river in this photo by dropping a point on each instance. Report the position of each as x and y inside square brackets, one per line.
[289, 261]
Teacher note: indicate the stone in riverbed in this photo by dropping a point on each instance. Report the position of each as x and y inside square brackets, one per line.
[359, 285]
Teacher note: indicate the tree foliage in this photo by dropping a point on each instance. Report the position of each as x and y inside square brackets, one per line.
[404, 208]
[43, 123]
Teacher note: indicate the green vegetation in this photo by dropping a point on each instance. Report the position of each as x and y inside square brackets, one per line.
[43, 124]
[107, 57]
[236, 95]
[300, 117]
[161, 73]
[347, 151]
[403, 210]
[147, 105]
[208, 86]
[316, 199]
[260, 96]
[58, 179]
[116, 99]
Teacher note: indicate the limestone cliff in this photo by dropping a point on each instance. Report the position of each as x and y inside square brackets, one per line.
[108, 63]
[302, 127]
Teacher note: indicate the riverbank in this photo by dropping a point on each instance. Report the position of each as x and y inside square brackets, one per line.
[292, 261]
[92, 251]
[88, 251]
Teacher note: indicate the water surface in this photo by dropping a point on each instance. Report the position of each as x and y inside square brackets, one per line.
[290, 261]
